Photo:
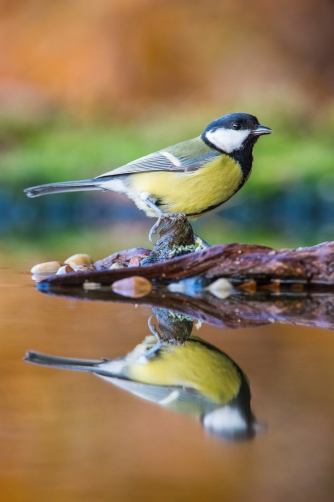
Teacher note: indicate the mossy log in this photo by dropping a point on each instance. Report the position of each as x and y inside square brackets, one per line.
[313, 267]
[174, 258]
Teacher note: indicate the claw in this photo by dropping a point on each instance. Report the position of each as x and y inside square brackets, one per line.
[161, 218]
[150, 235]
[150, 352]
[153, 328]
[154, 229]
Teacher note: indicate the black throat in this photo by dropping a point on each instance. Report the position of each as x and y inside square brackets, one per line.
[244, 157]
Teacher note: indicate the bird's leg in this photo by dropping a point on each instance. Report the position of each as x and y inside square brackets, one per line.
[200, 243]
[151, 203]
[169, 332]
[159, 344]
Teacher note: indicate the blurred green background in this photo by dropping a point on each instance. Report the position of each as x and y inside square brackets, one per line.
[88, 86]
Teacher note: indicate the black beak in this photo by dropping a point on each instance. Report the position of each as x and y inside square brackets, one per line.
[260, 130]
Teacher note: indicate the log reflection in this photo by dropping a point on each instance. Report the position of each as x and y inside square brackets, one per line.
[237, 310]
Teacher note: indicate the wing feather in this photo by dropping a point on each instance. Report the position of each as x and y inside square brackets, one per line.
[187, 156]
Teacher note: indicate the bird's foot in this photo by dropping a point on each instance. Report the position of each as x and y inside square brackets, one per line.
[151, 352]
[176, 237]
[164, 218]
[171, 332]
[200, 243]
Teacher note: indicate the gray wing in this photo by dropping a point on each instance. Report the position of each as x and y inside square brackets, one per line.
[153, 393]
[164, 160]
[183, 400]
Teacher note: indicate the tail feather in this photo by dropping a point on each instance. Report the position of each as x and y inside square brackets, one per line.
[64, 362]
[66, 186]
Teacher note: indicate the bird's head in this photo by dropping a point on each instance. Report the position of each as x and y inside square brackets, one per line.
[233, 132]
[232, 423]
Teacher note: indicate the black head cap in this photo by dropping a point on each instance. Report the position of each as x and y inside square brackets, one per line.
[233, 132]
[236, 121]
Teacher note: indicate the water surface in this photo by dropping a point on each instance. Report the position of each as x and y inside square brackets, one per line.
[72, 436]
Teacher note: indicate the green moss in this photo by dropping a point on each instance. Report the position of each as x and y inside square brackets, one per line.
[179, 250]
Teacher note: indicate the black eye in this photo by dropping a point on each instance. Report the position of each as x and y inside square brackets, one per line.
[236, 126]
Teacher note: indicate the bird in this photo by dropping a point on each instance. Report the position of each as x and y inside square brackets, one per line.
[191, 177]
[195, 378]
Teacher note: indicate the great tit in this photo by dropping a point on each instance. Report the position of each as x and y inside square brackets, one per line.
[191, 177]
[196, 379]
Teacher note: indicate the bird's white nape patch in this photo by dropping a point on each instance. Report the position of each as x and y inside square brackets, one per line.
[174, 160]
[227, 140]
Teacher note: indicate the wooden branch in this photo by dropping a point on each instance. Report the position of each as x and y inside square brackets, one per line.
[311, 266]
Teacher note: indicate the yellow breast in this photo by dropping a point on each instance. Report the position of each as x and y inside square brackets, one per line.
[210, 372]
[188, 192]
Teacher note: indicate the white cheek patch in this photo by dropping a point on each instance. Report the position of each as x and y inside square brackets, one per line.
[227, 140]
[225, 419]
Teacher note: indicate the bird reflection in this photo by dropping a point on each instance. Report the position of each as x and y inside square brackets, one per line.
[179, 371]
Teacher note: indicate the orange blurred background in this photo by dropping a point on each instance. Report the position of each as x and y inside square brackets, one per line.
[122, 58]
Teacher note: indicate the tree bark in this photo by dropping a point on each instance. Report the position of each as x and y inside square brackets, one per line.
[311, 267]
